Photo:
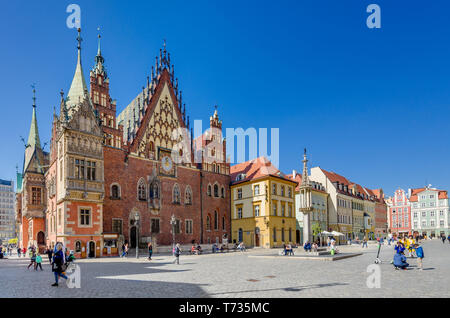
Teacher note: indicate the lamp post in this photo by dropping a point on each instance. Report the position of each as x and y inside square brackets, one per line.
[136, 218]
[173, 221]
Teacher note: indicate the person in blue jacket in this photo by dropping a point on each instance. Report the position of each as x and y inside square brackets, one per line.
[400, 248]
[400, 261]
[420, 256]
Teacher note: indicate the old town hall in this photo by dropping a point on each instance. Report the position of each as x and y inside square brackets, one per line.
[110, 178]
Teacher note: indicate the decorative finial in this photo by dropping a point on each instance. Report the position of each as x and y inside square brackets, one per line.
[33, 86]
[79, 39]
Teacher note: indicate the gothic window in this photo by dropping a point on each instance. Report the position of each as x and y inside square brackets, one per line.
[154, 190]
[216, 190]
[115, 191]
[209, 189]
[208, 223]
[223, 192]
[223, 223]
[188, 226]
[216, 221]
[155, 226]
[176, 194]
[142, 193]
[188, 196]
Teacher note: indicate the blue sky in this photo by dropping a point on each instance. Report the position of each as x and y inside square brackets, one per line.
[370, 104]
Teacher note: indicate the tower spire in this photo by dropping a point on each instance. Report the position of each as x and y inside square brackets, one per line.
[78, 87]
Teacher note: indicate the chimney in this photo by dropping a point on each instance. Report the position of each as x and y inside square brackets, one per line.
[294, 174]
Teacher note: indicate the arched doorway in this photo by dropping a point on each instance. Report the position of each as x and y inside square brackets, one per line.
[91, 249]
[41, 242]
[133, 237]
[257, 233]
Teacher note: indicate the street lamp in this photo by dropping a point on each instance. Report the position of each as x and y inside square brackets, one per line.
[136, 218]
[173, 221]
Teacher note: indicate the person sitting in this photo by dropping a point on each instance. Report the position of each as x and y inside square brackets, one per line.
[400, 261]
[307, 247]
[289, 249]
[194, 250]
[315, 247]
[199, 249]
[221, 248]
[284, 249]
[241, 247]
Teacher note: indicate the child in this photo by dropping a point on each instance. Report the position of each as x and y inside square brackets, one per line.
[420, 255]
[38, 262]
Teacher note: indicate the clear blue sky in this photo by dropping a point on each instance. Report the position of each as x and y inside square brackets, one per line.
[372, 105]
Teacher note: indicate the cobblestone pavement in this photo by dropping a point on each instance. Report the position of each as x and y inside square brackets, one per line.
[237, 275]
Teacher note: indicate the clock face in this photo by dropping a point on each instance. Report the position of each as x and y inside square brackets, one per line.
[166, 163]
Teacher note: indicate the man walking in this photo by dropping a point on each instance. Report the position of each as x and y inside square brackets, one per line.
[443, 238]
[49, 253]
[177, 253]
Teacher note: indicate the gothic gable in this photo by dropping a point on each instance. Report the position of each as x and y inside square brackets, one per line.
[85, 120]
[160, 120]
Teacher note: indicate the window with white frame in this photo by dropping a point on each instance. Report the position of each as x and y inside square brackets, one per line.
[85, 217]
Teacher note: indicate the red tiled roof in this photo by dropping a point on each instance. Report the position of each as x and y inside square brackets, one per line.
[254, 169]
[298, 179]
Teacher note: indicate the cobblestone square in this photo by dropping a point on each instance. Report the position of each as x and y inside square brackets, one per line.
[237, 275]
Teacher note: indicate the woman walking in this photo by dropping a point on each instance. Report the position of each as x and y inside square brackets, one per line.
[150, 251]
[32, 261]
[177, 253]
[58, 262]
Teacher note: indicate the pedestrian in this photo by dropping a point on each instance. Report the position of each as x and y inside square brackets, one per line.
[18, 251]
[443, 239]
[364, 243]
[38, 262]
[57, 264]
[150, 251]
[177, 252]
[420, 255]
[49, 253]
[32, 260]
[448, 238]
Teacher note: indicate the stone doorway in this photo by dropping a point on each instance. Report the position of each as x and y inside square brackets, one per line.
[133, 237]
[91, 249]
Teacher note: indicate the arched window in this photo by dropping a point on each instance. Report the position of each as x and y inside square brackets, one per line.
[209, 189]
[290, 235]
[142, 191]
[188, 196]
[77, 247]
[176, 194]
[216, 221]
[218, 169]
[154, 190]
[216, 190]
[223, 192]
[115, 191]
[208, 223]
[223, 223]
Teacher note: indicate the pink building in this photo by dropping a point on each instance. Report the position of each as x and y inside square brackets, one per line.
[399, 214]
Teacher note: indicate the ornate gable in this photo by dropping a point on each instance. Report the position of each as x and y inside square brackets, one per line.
[161, 118]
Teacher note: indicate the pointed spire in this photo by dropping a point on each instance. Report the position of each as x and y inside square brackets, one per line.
[33, 137]
[78, 87]
[305, 178]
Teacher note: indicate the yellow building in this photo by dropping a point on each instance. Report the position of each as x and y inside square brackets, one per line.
[262, 205]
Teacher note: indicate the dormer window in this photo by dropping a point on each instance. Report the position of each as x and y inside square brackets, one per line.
[240, 177]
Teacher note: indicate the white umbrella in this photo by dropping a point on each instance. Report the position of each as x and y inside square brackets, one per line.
[337, 233]
[325, 233]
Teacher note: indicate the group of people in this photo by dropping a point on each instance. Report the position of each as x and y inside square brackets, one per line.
[409, 245]
[443, 239]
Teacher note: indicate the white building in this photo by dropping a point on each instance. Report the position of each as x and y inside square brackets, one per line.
[430, 211]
